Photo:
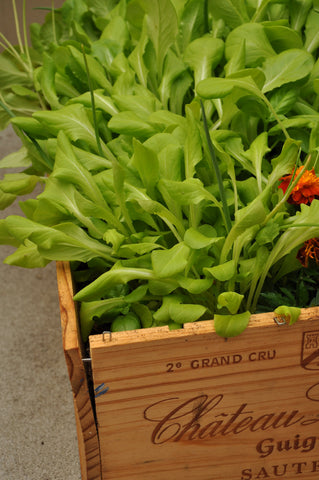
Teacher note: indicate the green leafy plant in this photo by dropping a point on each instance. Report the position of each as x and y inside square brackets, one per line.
[161, 132]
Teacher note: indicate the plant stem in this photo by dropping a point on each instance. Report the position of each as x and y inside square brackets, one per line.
[273, 111]
[26, 39]
[206, 22]
[53, 23]
[97, 135]
[217, 172]
[16, 20]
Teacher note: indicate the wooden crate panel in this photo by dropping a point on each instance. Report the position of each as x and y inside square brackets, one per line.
[88, 441]
[188, 404]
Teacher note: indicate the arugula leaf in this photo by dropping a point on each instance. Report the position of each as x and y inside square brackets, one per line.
[233, 12]
[203, 55]
[117, 275]
[257, 46]
[231, 325]
[168, 263]
[286, 67]
[162, 28]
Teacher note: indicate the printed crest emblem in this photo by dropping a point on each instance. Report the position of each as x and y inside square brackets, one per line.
[310, 350]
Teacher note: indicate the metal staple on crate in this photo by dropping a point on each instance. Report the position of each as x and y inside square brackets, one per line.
[280, 320]
[109, 333]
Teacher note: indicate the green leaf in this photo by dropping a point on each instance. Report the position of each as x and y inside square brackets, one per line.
[193, 145]
[197, 240]
[298, 12]
[118, 275]
[237, 59]
[68, 169]
[146, 162]
[144, 314]
[233, 12]
[65, 197]
[89, 311]
[169, 155]
[101, 9]
[123, 323]
[257, 45]
[203, 55]
[174, 67]
[6, 238]
[292, 238]
[180, 88]
[268, 233]
[312, 32]
[162, 315]
[27, 256]
[192, 22]
[285, 162]
[105, 51]
[188, 192]
[31, 126]
[231, 325]
[73, 120]
[96, 71]
[132, 249]
[288, 66]
[143, 105]
[91, 161]
[129, 123]
[65, 242]
[18, 183]
[156, 208]
[17, 159]
[195, 286]
[47, 79]
[136, 58]
[230, 300]
[221, 87]
[186, 313]
[164, 119]
[223, 272]
[256, 153]
[253, 214]
[283, 38]
[168, 263]
[249, 216]
[162, 27]
[102, 102]
[12, 72]
[284, 99]
[288, 315]
[116, 30]
[162, 287]
[6, 199]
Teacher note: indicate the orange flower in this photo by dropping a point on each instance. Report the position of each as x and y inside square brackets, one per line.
[309, 250]
[306, 189]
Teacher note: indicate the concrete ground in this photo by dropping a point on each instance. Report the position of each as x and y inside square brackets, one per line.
[37, 427]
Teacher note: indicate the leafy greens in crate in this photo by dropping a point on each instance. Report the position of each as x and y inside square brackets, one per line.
[161, 132]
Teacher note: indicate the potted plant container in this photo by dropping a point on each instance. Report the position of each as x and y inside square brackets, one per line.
[189, 404]
[176, 143]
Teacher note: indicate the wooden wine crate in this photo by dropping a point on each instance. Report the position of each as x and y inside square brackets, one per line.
[74, 353]
[187, 404]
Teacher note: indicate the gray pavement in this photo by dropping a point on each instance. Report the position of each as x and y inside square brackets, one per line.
[37, 426]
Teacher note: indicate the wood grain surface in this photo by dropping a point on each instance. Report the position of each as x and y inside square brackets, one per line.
[187, 404]
[85, 421]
